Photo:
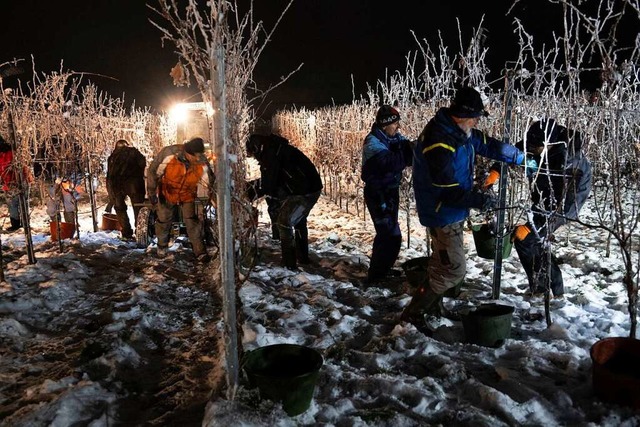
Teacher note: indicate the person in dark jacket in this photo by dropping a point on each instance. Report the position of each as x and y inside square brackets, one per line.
[125, 178]
[293, 183]
[558, 192]
[385, 154]
[443, 181]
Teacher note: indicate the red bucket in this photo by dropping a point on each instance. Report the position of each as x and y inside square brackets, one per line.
[110, 222]
[67, 229]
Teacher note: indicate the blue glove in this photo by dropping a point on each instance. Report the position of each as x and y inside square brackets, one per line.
[153, 200]
[530, 167]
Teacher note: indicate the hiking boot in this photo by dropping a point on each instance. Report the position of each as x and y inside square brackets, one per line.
[161, 252]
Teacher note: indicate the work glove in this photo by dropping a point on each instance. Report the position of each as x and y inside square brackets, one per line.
[153, 200]
[491, 179]
[530, 167]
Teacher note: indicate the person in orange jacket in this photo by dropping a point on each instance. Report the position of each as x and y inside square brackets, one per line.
[177, 176]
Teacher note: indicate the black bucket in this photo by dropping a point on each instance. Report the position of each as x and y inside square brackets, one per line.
[488, 325]
[416, 271]
[485, 241]
[284, 373]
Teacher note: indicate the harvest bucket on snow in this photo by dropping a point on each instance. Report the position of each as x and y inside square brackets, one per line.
[110, 222]
[67, 229]
[485, 241]
[488, 325]
[616, 370]
[284, 373]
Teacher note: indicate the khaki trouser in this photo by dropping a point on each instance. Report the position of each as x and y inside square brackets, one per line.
[164, 221]
[448, 265]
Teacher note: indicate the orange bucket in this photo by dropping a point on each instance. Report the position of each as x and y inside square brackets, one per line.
[110, 222]
[67, 229]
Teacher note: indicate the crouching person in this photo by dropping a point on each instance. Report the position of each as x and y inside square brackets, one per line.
[293, 183]
[174, 178]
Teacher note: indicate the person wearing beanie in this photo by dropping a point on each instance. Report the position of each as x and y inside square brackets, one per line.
[292, 185]
[558, 191]
[385, 154]
[125, 178]
[443, 172]
[177, 176]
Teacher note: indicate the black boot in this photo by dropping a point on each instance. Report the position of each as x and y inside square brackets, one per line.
[275, 232]
[15, 224]
[302, 245]
[288, 248]
[289, 257]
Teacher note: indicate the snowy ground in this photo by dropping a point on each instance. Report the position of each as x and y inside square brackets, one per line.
[103, 333]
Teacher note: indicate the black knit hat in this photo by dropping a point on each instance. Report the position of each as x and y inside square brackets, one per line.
[467, 103]
[194, 145]
[387, 115]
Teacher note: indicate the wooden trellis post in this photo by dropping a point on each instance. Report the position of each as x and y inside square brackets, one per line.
[219, 135]
[502, 188]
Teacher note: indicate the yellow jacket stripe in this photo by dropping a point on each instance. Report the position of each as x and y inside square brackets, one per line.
[439, 144]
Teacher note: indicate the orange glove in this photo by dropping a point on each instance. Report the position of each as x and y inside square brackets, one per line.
[521, 232]
[493, 177]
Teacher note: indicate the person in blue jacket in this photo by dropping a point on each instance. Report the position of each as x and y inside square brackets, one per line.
[443, 181]
[385, 153]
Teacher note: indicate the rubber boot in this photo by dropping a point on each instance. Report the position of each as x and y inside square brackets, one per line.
[275, 232]
[424, 302]
[289, 257]
[302, 245]
[15, 224]
[288, 248]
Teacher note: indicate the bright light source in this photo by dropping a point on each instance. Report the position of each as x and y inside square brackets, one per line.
[178, 113]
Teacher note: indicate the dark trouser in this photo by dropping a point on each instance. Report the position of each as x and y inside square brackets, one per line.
[292, 225]
[383, 207]
[540, 266]
[135, 190]
[273, 205]
[536, 258]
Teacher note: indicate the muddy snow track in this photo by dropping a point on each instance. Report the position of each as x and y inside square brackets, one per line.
[109, 323]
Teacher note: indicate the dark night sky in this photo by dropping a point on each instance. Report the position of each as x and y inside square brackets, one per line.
[333, 38]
